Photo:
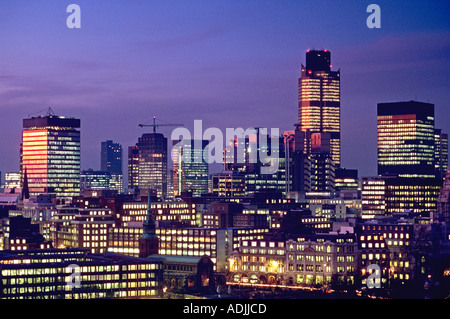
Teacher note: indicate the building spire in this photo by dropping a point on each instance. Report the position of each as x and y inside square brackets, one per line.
[148, 242]
[25, 190]
[149, 223]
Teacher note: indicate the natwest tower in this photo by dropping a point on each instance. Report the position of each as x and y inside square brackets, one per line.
[319, 101]
[50, 155]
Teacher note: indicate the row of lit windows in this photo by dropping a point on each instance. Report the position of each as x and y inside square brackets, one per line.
[188, 239]
[263, 251]
[200, 232]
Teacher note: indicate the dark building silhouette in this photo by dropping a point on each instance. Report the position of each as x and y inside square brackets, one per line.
[23, 235]
[111, 157]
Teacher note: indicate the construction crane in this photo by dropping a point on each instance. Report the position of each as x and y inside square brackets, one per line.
[49, 112]
[154, 125]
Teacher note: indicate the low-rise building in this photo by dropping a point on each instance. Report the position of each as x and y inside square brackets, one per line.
[77, 274]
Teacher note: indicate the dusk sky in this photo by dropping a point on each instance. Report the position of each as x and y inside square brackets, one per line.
[228, 63]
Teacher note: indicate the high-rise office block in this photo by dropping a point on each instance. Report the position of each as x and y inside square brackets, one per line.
[50, 155]
[319, 101]
[147, 164]
[111, 157]
[440, 153]
[405, 139]
[443, 201]
[111, 162]
[190, 167]
[133, 167]
[299, 168]
[388, 195]
[322, 174]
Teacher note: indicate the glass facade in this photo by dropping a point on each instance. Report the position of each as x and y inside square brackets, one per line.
[190, 168]
[50, 156]
[111, 157]
[405, 139]
[319, 100]
[390, 195]
[147, 164]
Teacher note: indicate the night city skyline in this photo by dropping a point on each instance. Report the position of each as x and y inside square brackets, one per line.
[205, 61]
[218, 157]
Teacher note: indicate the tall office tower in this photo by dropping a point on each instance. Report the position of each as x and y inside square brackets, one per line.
[299, 168]
[50, 155]
[133, 167]
[148, 163]
[322, 164]
[190, 168]
[405, 139]
[319, 105]
[111, 157]
[111, 162]
[440, 153]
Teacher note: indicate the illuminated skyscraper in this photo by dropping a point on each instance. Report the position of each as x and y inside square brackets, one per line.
[190, 168]
[322, 164]
[50, 155]
[147, 164]
[319, 101]
[405, 139]
[111, 162]
[133, 167]
[440, 153]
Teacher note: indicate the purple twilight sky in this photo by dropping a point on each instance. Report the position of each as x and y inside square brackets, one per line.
[229, 63]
